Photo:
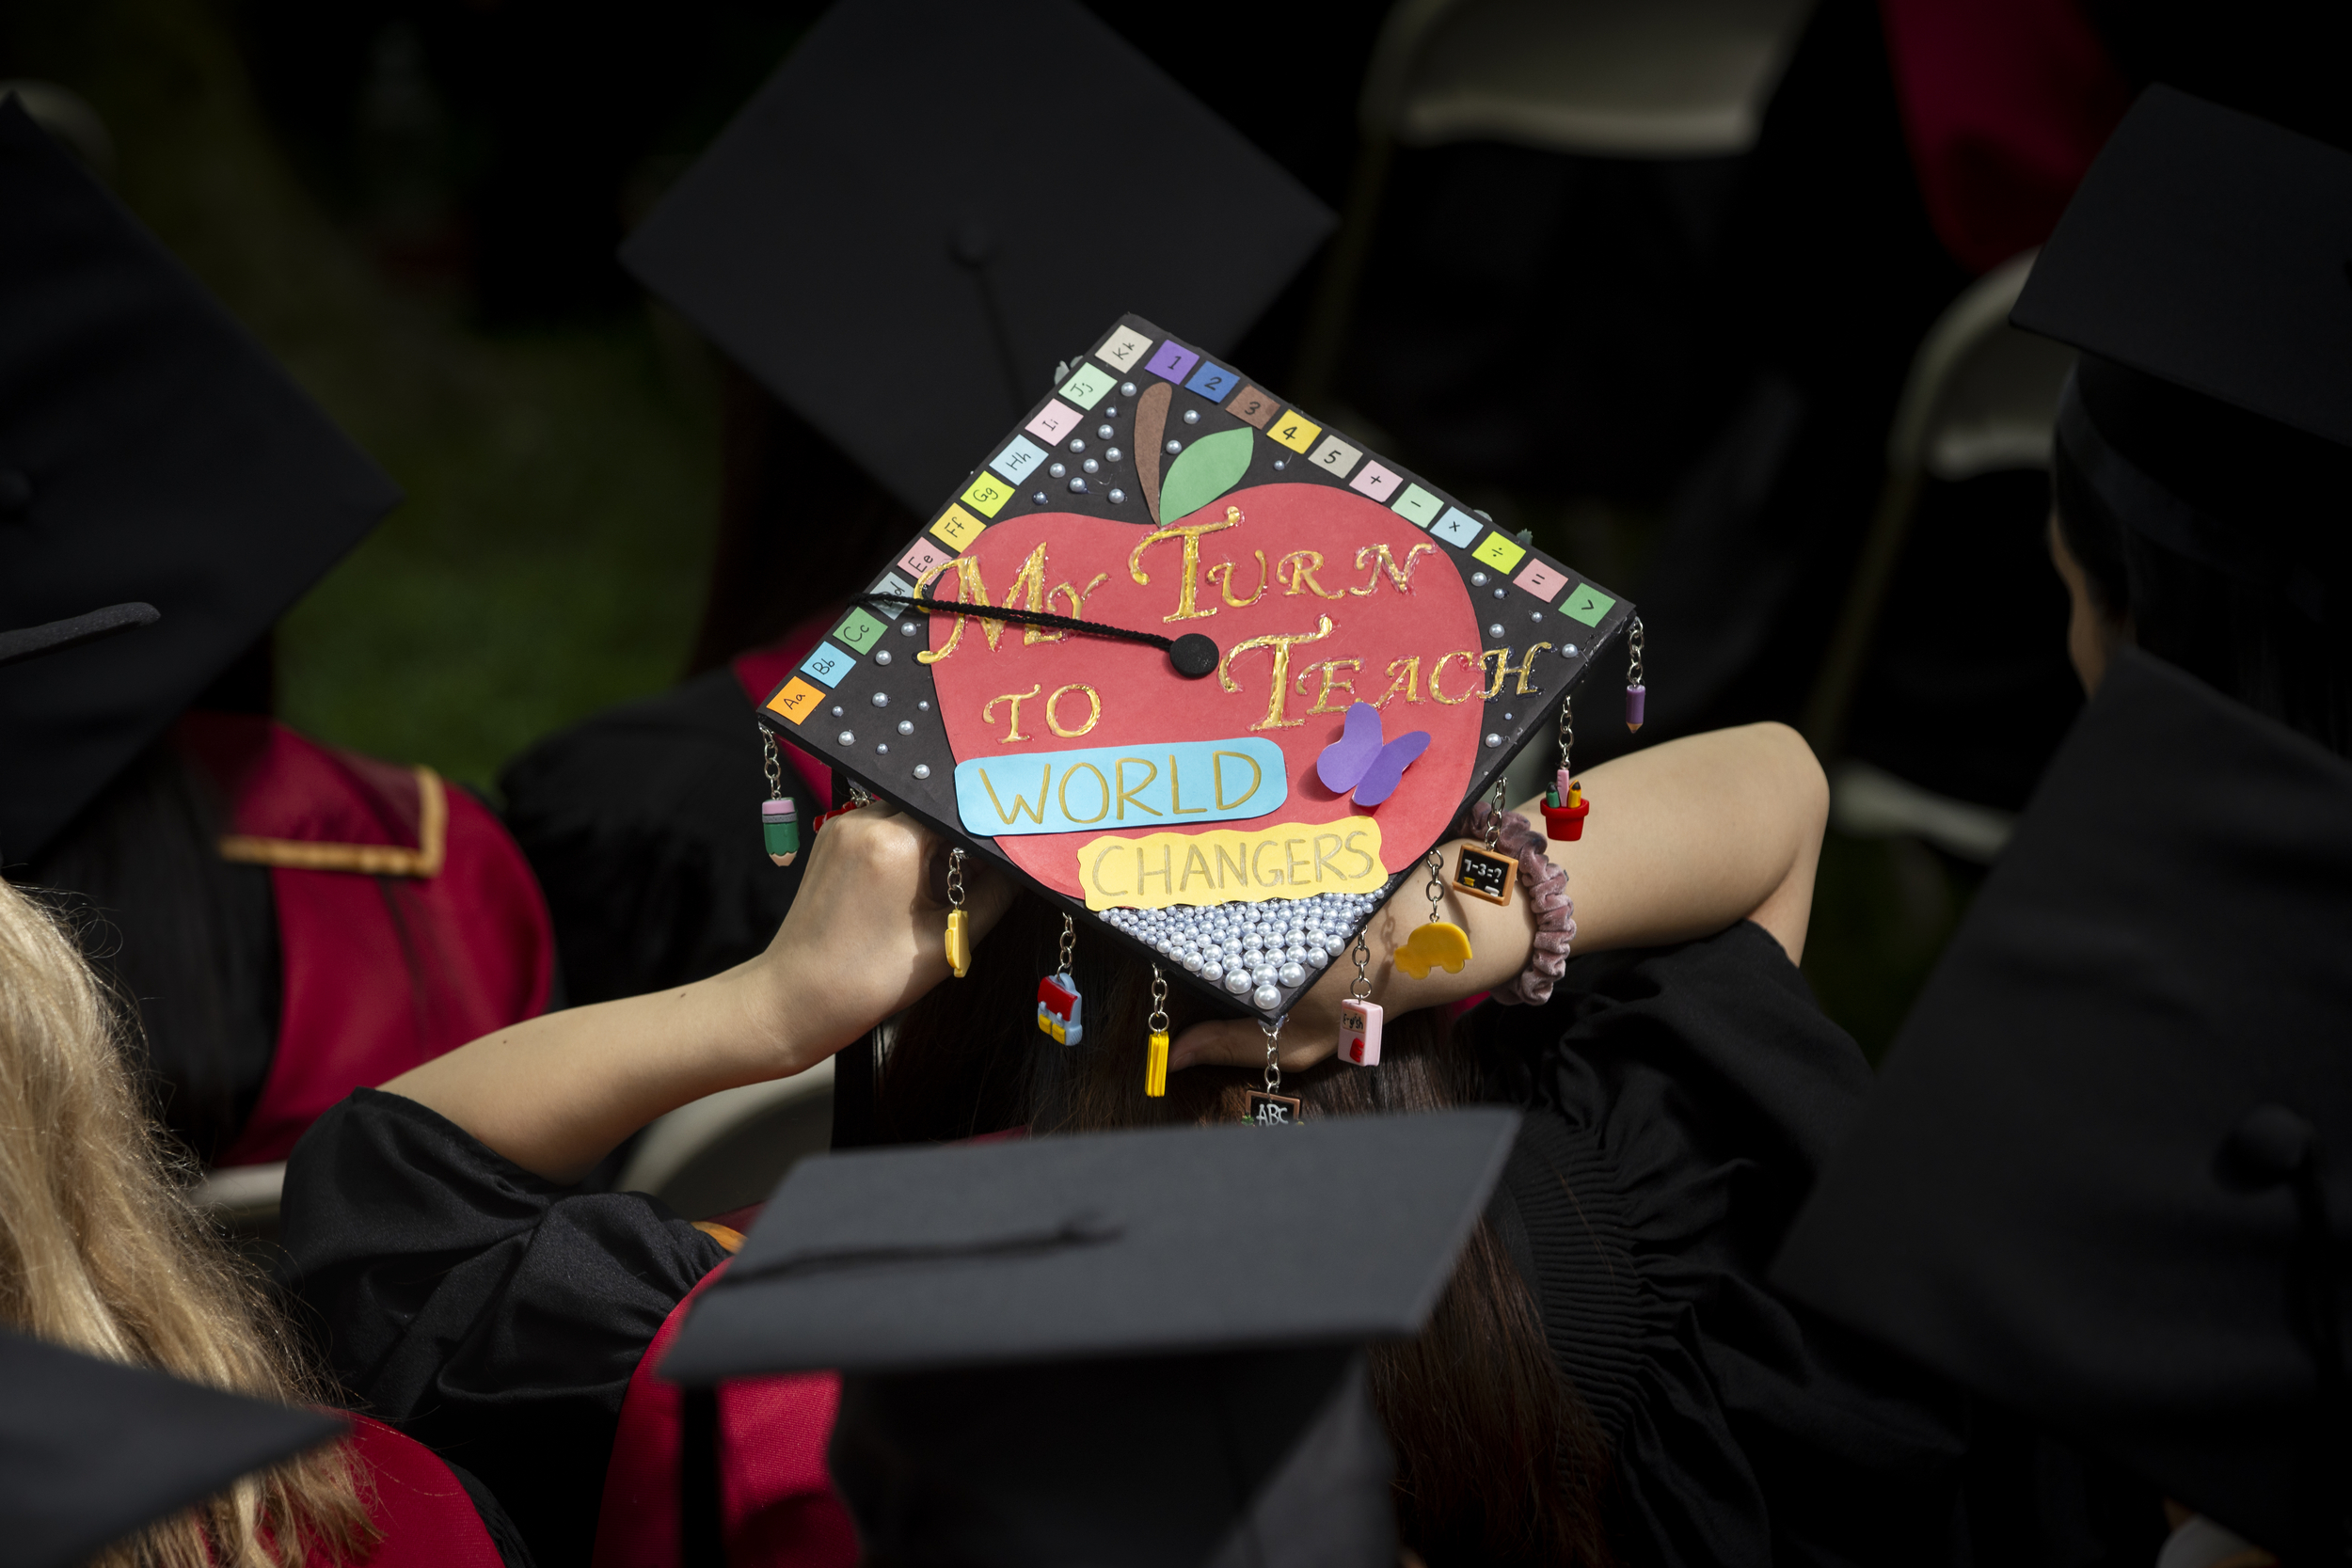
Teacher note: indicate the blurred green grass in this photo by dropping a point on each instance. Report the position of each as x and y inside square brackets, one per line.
[551, 553]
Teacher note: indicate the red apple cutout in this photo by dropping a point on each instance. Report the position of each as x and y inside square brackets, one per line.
[1268, 562]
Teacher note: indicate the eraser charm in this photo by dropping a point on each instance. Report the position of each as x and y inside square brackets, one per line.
[1059, 1008]
[959, 943]
[1359, 1032]
[1155, 1066]
[779, 825]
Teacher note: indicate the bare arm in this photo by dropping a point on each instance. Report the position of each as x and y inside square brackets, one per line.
[1685, 839]
[864, 939]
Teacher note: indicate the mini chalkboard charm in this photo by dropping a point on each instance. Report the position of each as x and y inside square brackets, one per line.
[1155, 1050]
[1360, 1015]
[1636, 694]
[1059, 1008]
[779, 824]
[1440, 944]
[1269, 1106]
[1487, 873]
[959, 924]
[1565, 806]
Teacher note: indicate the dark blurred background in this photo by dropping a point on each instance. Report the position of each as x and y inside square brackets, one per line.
[1655, 361]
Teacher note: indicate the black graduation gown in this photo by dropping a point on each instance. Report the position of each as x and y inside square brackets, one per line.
[1680, 1102]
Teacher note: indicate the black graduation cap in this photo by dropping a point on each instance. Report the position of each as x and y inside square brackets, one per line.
[930, 204]
[2107, 1174]
[91, 1451]
[2204, 268]
[1248, 674]
[1135, 1347]
[151, 452]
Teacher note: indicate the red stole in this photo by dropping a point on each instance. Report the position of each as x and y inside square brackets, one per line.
[426, 1519]
[777, 1501]
[408, 923]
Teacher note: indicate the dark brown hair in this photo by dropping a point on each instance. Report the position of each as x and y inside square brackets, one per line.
[1498, 1459]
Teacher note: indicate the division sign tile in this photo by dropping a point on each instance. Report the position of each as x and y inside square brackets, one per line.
[796, 701]
[1123, 351]
[1501, 552]
[827, 663]
[1541, 581]
[1088, 385]
[1418, 506]
[957, 527]
[1212, 381]
[1295, 431]
[1458, 528]
[1054, 421]
[1173, 361]
[1376, 482]
[1587, 604]
[1253, 405]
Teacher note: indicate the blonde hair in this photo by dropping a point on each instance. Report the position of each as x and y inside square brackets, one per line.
[100, 1250]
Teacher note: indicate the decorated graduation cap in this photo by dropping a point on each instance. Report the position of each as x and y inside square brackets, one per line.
[1134, 1347]
[2105, 1178]
[930, 206]
[150, 454]
[2201, 269]
[92, 1451]
[1241, 674]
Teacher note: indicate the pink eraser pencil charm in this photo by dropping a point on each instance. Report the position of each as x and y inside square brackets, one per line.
[1359, 1032]
[780, 828]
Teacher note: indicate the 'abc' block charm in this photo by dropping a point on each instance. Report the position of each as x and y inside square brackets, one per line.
[1059, 1009]
[780, 828]
[1359, 1032]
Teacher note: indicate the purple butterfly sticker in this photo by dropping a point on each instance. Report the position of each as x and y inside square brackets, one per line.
[1359, 761]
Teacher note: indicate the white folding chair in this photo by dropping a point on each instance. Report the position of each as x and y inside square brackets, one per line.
[1601, 78]
[729, 1150]
[1981, 398]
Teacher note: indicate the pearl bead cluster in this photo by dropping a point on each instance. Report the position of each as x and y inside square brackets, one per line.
[1262, 948]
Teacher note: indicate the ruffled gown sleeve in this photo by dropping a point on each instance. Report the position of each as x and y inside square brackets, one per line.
[1681, 1102]
[492, 1315]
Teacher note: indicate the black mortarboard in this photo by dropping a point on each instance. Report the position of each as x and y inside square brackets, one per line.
[1284, 667]
[150, 450]
[2202, 269]
[91, 1451]
[1139, 1347]
[930, 204]
[2049, 1200]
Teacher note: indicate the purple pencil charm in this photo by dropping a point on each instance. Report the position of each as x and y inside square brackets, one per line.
[1636, 694]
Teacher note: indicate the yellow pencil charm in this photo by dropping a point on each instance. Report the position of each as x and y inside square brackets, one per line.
[959, 926]
[1156, 1058]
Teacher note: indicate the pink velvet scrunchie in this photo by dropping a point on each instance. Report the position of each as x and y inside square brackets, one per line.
[1547, 887]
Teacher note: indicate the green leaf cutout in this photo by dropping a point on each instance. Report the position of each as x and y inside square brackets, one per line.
[1205, 469]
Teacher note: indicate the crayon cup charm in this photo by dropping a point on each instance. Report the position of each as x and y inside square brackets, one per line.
[780, 827]
[1564, 815]
[1359, 1032]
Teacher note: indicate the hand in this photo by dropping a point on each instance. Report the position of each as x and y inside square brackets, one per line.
[866, 932]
